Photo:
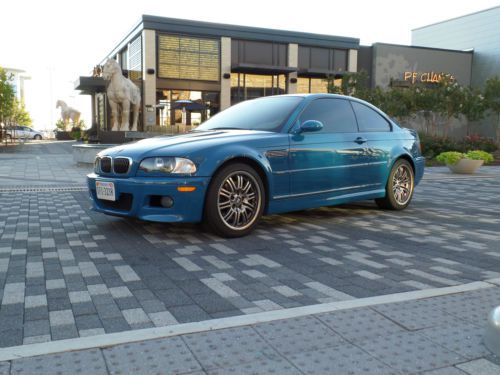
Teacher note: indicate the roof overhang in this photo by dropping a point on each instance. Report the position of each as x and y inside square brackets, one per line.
[90, 85]
[261, 69]
[320, 73]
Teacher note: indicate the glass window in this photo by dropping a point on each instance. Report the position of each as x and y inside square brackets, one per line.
[188, 58]
[369, 120]
[335, 114]
[251, 86]
[135, 59]
[312, 85]
[267, 114]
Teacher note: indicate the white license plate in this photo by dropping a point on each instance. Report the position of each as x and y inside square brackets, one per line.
[105, 190]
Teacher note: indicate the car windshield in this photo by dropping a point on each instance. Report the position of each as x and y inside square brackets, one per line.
[267, 114]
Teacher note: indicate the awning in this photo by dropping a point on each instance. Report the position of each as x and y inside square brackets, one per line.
[320, 73]
[261, 69]
[90, 85]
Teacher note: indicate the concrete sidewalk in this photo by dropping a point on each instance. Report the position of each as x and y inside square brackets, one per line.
[415, 335]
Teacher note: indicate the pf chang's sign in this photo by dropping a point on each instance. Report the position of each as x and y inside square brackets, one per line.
[426, 77]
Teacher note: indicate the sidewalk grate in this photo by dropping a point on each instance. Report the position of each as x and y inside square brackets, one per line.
[41, 189]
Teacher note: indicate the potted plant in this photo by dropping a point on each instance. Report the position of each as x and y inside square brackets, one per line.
[464, 163]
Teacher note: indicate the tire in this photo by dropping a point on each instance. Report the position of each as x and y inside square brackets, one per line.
[399, 187]
[38, 137]
[235, 201]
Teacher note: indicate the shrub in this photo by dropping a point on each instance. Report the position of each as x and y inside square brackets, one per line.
[480, 155]
[76, 133]
[476, 142]
[453, 157]
[450, 157]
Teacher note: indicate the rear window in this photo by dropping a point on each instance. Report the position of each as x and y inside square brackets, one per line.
[370, 120]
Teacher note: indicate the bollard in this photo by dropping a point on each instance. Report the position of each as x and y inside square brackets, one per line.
[492, 334]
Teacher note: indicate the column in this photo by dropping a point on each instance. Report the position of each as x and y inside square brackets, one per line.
[293, 62]
[352, 61]
[149, 80]
[225, 67]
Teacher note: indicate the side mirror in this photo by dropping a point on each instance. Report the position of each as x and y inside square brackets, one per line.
[311, 126]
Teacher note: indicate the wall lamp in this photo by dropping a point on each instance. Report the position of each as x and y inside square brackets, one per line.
[150, 71]
[226, 75]
[293, 80]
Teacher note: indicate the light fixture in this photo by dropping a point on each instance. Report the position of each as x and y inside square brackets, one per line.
[226, 75]
[293, 80]
[150, 71]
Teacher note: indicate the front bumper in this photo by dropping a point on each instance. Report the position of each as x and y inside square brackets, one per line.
[133, 197]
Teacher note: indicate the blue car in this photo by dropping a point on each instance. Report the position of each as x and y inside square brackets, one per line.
[263, 156]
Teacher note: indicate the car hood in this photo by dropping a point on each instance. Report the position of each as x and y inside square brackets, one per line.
[185, 144]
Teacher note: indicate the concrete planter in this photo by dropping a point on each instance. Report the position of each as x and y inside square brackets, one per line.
[466, 166]
[85, 153]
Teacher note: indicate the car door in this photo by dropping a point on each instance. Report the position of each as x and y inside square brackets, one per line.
[330, 160]
[377, 130]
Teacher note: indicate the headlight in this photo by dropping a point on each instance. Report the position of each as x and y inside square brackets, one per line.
[167, 165]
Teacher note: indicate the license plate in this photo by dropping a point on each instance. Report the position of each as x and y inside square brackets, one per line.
[105, 190]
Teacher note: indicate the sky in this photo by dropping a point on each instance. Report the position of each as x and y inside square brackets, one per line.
[57, 41]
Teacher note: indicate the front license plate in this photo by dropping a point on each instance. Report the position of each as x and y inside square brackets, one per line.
[105, 190]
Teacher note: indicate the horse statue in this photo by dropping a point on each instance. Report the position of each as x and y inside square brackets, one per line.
[68, 113]
[122, 93]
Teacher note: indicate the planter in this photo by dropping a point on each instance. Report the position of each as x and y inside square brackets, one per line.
[466, 166]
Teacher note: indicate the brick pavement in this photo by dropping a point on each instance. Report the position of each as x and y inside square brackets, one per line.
[67, 272]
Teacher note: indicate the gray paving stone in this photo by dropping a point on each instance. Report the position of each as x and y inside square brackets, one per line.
[36, 328]
[63, 332]
[463, 338]
[168, 356]
[359, 324]
[229, 347]
[86, 361]
[135, 316]
[261, 367]
[410, 352]
[344, 359]
[480, 367]
[4, 368]
[445, 371]
[298, 334]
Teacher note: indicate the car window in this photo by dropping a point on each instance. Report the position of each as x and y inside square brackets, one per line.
[369, 120]
[267, 114]
[335, 114]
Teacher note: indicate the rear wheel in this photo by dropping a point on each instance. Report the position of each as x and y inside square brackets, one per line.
[234, 201]
[399, 188]
[38, 137]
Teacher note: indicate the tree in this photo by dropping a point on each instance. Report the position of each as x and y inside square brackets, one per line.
[7, 96]
[492, 100]
[450, 101]
[19, 114]
[474, 106]
[353, 84]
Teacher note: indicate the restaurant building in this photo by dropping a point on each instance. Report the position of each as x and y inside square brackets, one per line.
[190, 70]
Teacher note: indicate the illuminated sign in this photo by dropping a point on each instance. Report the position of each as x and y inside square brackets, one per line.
[427, 77]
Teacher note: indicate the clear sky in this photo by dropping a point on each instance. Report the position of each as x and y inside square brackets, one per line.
[56, 41]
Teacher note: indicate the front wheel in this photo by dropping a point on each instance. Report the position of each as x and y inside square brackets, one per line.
[234, 201]
[399, 188]
[38, 137]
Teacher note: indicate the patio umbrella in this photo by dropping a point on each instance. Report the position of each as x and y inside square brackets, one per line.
[188, 105]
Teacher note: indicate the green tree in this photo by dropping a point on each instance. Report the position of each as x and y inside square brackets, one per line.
[492, 100]
[19, 114]
[450, 102]
[474, 106]
[7, 96]
[353, 84]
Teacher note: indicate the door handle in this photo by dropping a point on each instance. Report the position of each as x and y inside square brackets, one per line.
[360, 140]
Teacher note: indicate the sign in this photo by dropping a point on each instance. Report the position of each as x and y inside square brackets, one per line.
[426, 77]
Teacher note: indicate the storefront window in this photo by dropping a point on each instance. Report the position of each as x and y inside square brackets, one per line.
[179, 111]
[250, 86]
[188, 58]
[312, 85]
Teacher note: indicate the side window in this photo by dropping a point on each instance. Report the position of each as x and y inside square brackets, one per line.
[335, 114]
[369, 120]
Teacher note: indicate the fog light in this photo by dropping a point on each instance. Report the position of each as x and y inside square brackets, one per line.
[167, 201]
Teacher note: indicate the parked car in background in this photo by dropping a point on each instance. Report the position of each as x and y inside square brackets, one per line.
[263, 156]
[21, 131]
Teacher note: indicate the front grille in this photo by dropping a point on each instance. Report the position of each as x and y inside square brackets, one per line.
[123, 203]
[106, 164]
[121, 165]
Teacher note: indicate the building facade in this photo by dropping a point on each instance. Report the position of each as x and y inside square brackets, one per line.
[478, 32]
[397, 65]
[190, 70]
